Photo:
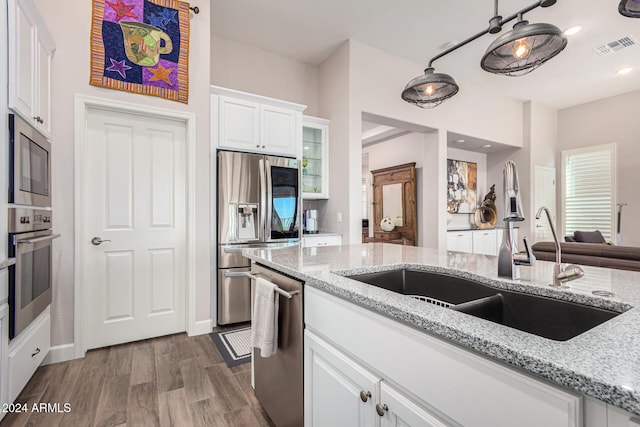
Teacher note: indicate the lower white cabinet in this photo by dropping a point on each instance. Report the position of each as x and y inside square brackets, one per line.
[424, 380]
[26, 353]
[338, 391]
[459, 241]
[4, 339]
[397, 410]
[341, 392]
[482, 242]
[314, 240]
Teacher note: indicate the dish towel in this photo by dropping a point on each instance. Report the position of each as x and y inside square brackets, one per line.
[264, 323]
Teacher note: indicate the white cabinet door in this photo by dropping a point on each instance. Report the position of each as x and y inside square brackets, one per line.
[4, 339]
[338, 391]
[278, 130]
[314, 241]
[30, 53]
[44, 50]
[22, 59]
[315, 158]
[459, 241]
[484, 242]
[239, 124]
[399, 411]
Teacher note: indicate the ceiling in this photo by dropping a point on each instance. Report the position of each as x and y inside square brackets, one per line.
[310, 30]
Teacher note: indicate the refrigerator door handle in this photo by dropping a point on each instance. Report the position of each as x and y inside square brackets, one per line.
[263, 200]
[269, 194]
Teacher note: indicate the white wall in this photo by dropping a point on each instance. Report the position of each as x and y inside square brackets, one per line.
[539, 147]
[236, 65]
[610, 120]
[69, 21]
[333, 104]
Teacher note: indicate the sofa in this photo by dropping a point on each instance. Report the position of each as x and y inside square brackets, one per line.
[596, 254]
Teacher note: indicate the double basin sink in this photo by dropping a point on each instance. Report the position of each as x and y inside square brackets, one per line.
[538, 315]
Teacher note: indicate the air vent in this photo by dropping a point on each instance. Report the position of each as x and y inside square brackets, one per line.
[615, 45]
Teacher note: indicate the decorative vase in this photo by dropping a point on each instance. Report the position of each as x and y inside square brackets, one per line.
[387, 224]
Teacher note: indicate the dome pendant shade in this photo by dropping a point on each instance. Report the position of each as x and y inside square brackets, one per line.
[523, 49]
[629, 8]
[429, 89]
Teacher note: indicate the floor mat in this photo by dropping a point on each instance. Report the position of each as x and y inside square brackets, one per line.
[234, 345]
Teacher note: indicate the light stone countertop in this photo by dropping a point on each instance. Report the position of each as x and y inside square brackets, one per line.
[603, 362]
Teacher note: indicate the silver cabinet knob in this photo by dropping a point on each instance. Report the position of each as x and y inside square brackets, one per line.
[365, 395]
[98, 241]
[381, 409]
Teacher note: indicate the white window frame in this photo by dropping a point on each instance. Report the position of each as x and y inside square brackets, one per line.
[567, 153]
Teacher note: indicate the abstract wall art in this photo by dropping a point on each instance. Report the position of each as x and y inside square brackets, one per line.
[141, 46]
[462, 181]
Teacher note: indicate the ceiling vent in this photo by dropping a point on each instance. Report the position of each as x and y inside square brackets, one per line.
[615, 45]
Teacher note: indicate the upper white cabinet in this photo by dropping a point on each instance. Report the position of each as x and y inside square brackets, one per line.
[253, 123]
[31, 50]
[315, 158]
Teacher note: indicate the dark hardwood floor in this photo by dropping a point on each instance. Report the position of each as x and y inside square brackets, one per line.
[174, 380]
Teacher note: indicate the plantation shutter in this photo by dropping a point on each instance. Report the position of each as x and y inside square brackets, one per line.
[589, 190]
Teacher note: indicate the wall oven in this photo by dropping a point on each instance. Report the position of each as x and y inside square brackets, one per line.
[29, 165]
[30, 278]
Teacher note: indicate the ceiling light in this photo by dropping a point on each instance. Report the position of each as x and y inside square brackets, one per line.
[517, 52]
[572, 31]
[624, 71]
[486, 146]
[430, 89]
[459, 141]
[629, 8]
[523, 49]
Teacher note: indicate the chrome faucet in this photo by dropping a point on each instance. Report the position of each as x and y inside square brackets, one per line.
[508, 257]
[560, 275]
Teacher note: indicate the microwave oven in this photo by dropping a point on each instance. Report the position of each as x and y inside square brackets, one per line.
[29, 165]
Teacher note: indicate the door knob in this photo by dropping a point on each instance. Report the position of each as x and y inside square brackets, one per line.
[97, 240]
[381, 409]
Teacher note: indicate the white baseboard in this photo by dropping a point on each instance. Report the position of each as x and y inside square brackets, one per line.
[60, 353]
[200, 327]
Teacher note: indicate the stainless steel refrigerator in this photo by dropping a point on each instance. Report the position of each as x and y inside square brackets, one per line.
[259, 205]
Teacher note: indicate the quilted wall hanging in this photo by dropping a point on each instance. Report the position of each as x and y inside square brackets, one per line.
[141, 46]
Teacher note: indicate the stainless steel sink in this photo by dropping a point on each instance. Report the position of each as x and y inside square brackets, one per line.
[538, 315]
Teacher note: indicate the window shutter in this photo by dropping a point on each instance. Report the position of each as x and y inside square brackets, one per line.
[589, 190]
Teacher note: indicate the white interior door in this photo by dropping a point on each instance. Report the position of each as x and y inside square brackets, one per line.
[545, 195]
[136, 204]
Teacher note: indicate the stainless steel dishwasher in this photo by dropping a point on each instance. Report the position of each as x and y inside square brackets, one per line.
[279, 378]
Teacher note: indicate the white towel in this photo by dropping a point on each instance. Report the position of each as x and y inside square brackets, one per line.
[264, 323]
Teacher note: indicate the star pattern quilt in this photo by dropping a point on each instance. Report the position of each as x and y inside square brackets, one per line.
[141, 46]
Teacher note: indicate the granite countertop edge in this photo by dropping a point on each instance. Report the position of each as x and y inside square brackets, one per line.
[483, 340]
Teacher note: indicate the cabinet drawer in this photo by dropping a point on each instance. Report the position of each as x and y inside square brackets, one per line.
[313, 241]
[27, 353]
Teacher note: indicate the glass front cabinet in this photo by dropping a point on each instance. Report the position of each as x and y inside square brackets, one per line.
[315, 158]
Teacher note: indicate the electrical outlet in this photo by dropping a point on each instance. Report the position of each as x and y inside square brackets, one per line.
[339, 219]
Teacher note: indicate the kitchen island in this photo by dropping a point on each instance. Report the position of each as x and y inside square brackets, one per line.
[602, 363]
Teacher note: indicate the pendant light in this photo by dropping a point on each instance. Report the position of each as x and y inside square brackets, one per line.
[517, 52]
[629, 8]
[523, 49]
[429, 89]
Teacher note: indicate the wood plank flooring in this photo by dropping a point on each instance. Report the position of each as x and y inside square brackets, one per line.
[174, 380]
